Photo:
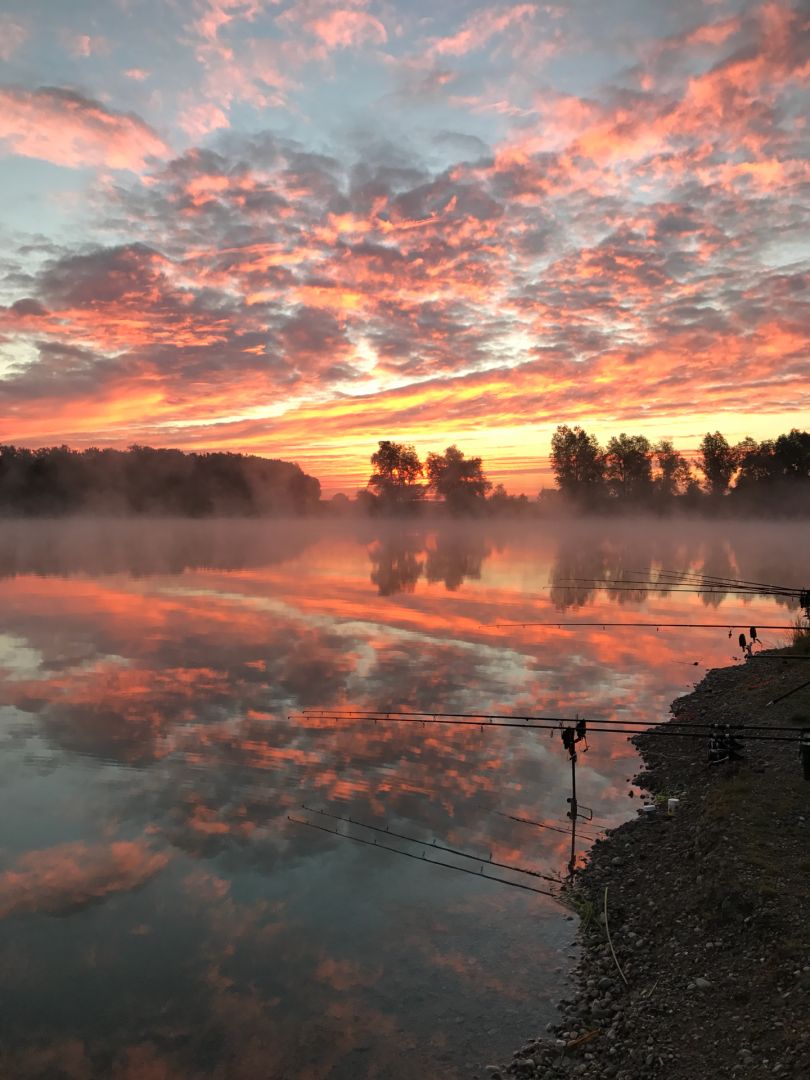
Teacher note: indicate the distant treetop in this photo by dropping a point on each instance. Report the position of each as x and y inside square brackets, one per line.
[143, 480]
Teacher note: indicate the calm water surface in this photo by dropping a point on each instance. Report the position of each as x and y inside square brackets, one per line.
[159, 915]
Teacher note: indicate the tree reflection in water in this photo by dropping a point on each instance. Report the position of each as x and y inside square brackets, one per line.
[448, 555]
[396, 565]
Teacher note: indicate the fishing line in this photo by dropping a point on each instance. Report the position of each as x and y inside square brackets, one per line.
[486, 723]
[480, 804]
[544, 825]
[432, 844]
[487, 719]
[424, 858]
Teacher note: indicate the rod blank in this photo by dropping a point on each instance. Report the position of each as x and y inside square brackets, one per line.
[432, 844]
[424, 858]
[485, 723]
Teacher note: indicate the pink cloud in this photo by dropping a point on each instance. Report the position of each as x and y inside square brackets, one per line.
[219, 13]
[346, 29]
[199, 120]
[253, 75]
[66, 128]
[713, 33]
[85, 45]
[56, 880]
[12, 36]
[479, 29]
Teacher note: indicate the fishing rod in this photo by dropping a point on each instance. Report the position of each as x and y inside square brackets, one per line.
[487, 723]
[544, 825]
[790, 693]
[487, 719]
[698, 577]
[771, 656]
[701, 583]
[630, 585]
[599, 823]
[433, 844]
[657, 625]
[686, 582]
[424, 858]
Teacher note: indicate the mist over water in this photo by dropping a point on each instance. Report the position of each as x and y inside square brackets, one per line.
[159, 911]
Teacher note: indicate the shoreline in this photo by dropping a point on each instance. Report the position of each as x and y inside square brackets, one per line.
[705, 968]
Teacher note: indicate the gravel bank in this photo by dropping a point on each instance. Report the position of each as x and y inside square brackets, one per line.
[708, 911]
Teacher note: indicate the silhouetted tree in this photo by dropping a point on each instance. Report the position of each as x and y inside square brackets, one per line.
[672, 475]
[578, 462]
[144, 480]
[792, 454]
[501, 503]
[718, 462]
[628, 467]
[756, 463]
[458, 480]
[397, 470]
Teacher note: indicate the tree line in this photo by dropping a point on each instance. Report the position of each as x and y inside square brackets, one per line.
[631, 470]
[629, 473]
[401, 483]
[53, 481]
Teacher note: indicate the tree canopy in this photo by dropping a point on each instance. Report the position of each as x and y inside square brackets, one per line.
[578, 462]
[396, 476]
[672, 476]
[628, 467]
[460, 481]
[717, 461]
[142, 480]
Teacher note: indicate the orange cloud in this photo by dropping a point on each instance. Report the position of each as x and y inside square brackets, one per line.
[60, 879]
[66, 128]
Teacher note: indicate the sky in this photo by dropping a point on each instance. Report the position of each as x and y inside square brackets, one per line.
[297, 228]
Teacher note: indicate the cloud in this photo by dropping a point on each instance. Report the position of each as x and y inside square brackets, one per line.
[218, 14]
[597, 255]
[86, 45]
[12, 36]
[68, 877]
[481, 27]
[348, 29]
[67, 128]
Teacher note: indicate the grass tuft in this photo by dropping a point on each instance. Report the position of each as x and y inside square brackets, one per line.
[800, 636]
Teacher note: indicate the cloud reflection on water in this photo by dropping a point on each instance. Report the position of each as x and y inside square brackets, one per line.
[155, 671]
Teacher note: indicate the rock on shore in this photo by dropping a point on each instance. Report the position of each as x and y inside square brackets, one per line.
[708, 911]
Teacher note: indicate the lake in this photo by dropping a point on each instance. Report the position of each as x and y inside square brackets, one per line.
[161, 916]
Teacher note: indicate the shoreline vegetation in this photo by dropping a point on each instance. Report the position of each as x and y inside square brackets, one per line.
[630, 475]
[706, 969]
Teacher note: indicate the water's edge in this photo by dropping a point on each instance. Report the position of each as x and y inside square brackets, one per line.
[703, 910]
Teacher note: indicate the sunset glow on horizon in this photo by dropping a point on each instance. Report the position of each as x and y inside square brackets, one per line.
[296, 227]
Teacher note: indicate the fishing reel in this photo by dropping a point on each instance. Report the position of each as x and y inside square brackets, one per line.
[573, 735]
